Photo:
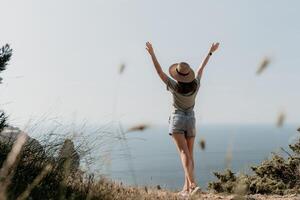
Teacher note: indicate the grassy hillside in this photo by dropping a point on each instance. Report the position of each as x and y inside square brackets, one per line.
[31, 171]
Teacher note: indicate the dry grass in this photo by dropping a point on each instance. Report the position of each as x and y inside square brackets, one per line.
[281, 119]
[39, 173]
[202, 144]
[263, 65]
[50, 180]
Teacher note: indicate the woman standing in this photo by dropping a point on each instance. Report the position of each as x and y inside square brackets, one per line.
[182, 119]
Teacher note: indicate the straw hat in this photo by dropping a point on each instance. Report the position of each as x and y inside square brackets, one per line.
[182, 72]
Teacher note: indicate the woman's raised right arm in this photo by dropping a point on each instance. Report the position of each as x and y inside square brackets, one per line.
[156, 64]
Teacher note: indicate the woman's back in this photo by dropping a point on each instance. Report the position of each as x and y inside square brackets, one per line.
[182, 102]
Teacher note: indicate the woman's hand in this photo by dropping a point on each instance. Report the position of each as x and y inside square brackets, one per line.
[149, 48]
[157, 66]
[214, 47]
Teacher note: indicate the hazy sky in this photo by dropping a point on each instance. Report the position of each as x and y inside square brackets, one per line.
[67, 53]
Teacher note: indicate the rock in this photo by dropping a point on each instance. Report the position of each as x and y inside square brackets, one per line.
[68, 152]
[9, 135]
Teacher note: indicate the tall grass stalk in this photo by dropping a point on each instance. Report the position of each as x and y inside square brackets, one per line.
[6, 171]
[35, 182]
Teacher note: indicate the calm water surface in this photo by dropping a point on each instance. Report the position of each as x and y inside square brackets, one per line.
[154, 158]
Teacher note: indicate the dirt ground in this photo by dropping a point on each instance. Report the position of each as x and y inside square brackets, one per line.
[211, 196]
[165, 194]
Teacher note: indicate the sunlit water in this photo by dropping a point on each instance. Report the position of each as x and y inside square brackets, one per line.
[155, 161]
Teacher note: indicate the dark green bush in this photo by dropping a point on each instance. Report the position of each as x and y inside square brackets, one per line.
[277, 175]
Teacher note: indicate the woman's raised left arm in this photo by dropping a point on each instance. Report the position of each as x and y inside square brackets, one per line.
[212, 49]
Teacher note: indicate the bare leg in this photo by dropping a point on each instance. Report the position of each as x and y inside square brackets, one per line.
[186, 185]
[190, 143]
[184, 153]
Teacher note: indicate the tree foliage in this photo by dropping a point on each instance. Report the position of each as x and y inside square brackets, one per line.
[5, 55]
[3, 119]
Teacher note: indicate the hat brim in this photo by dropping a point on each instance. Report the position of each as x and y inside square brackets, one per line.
[185, 79]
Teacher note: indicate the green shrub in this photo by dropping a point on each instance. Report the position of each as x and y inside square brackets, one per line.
[277, 175]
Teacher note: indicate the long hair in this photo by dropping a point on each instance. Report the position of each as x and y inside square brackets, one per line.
[186, 88]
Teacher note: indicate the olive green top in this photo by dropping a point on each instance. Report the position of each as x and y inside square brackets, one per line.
[183, 102]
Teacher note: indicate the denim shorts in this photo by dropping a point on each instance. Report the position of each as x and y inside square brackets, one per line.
[182, 122]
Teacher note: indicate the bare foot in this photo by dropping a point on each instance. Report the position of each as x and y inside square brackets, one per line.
[183, 193]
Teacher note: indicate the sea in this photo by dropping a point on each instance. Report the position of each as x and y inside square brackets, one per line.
[150, 157]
